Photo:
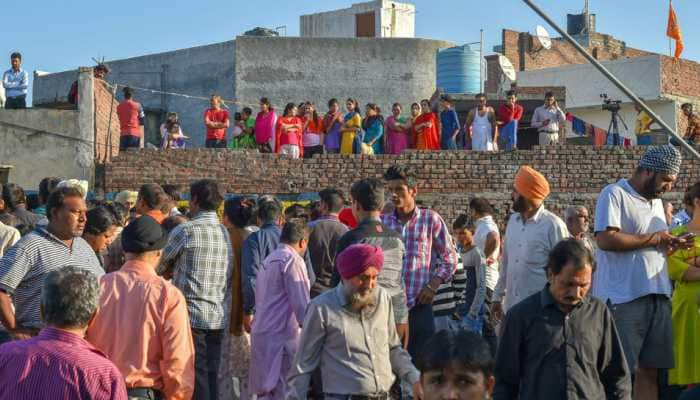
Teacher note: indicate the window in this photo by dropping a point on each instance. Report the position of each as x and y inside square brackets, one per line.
[151, 127]
[364, 25]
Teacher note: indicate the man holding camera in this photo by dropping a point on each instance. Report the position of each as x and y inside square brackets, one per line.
[549, 120]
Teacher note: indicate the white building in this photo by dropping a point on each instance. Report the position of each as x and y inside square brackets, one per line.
[379, 18]
[585, 84]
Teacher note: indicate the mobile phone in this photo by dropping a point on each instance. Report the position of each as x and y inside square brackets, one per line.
[687, 236]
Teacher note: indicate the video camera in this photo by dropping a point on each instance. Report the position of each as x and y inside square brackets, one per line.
[609, 104]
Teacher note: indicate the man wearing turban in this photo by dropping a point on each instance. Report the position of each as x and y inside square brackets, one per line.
[632, 275]
[532, 232]
[349, 332]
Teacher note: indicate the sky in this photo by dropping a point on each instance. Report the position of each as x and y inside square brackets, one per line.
[62, 35]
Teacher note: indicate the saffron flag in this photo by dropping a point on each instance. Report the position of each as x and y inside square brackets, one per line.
[673, 30]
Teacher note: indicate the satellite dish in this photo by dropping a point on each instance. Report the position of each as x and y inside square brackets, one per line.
[507, 67]
[543, 37]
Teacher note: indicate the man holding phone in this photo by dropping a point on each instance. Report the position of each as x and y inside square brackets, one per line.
[632, 276]
[548, 119]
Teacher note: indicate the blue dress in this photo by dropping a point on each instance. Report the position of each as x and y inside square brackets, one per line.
[375, 132]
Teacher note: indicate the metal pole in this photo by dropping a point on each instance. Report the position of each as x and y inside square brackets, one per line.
[613, 79]
[481, 63]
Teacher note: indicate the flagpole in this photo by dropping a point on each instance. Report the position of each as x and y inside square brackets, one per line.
[671, 132]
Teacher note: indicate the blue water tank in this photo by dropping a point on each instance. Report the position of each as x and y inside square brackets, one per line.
[458, 70]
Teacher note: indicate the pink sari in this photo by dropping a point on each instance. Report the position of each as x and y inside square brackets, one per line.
[397, 140]
[265, 126]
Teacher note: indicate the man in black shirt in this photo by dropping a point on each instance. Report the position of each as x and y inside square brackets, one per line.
[560, 343]
[326, 231]
[367, 202]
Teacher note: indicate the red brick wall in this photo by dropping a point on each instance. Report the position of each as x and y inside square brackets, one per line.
[447, 180]
[680, 78]
[105, 106]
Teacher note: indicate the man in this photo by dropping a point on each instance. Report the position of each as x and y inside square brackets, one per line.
[49, 248]
[146, 307]
[5, 216]
[99, 72]
[59, 363]
[16, 200]
[482, 125]
[127, 198]
[199, 254]
[576, 218]
[216, 120]
[449, 124]
[257, 247]
[509, 116]
[549, 120]
[560, 343]
[150, 200]
[456, 365]
[643, 127]
[632, 277]
[281, 298]
[46, 186]
[424, 233]
[323, 241]
[532, 232]
[349, 333]
[367, 203]
[692, 132]
[16, 82]
[130, 115]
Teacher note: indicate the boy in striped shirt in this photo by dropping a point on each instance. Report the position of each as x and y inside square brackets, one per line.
[471, 309]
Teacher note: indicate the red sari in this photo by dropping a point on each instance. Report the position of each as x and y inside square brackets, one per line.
[430, 135]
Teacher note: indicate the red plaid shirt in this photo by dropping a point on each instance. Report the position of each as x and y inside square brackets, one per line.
[424, 233]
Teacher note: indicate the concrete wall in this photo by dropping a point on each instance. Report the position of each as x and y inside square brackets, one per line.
[382, 71]
[397, 21]
[197, 71]
[40, 143]
[584, 83]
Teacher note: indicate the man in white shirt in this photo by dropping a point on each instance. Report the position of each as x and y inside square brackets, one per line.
[549, 120]
[632, 276]
[531, 234]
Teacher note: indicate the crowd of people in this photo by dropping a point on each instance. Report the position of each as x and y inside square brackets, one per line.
[351, 297]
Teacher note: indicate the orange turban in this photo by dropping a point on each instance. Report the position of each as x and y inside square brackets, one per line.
[531, 184]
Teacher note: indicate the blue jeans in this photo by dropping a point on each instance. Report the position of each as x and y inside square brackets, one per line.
[445, 323]
[207, 357]
[644, 140]
[129, 142]
[447, 143]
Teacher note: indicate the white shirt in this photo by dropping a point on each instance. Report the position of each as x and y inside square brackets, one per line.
[484, 226]
[623, 276]
[527, 246]
[8, 237]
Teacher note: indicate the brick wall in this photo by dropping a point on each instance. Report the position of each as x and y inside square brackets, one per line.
[680, 78]
[106, 123]
[447, 180]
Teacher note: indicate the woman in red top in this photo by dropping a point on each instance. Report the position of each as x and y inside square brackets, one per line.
[288, 132]
[313, 131]
[426, 128]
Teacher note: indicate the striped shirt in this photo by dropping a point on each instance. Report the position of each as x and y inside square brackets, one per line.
[24, 266]
[424, 233]
[202, 256]
[449, 294]
[57, 365]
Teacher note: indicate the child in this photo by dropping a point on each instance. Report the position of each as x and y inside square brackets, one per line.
[176, 139]
[448, 295]
[456, 364]
[472, 309]
[238, 126]
[243, 137]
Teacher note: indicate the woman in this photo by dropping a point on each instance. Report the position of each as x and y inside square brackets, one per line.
[265, 127]
[426, 127]
[396, 131]
[415, 113]
[239, 219]
[288, 131]
[171, 136]
[352, 122]
[100, 230]
[313, 131]
[332, 123]
[684, 270]
[373, 126]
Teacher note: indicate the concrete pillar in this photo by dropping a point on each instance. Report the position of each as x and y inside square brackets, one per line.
[85, 156]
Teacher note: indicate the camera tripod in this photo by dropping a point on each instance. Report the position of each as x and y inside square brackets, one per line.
[614, 128]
